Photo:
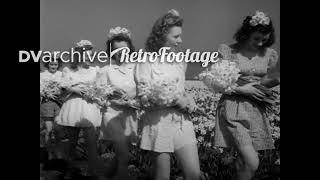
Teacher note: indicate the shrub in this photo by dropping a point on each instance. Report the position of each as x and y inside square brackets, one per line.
[216, 163]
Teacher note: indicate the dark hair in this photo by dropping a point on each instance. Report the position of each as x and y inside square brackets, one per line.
[244, 32]
[58, 60]
[119, 38]
[76, 60]
[160, 29]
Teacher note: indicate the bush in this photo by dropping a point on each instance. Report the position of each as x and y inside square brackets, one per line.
[216, 163]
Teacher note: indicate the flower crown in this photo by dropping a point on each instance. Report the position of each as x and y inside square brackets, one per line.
[84, 43]
[259, 18]
[118, 30]
[174, 12]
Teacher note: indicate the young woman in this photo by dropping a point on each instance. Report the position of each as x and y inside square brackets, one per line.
[119, 122]
[241, 123]
[167, 130]
[78, 112]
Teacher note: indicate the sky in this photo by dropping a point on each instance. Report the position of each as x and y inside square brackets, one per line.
[207, 23]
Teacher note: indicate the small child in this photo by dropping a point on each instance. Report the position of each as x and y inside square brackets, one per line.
[49, 108]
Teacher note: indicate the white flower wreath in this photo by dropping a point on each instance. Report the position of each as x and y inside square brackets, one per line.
[259, 18]
[118, 30]
[83, 43]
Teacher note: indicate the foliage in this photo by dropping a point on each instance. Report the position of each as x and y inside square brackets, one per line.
[216, 163]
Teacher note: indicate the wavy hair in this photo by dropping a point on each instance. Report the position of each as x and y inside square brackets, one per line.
[245, 31]
[160, 29]
[119, 38]
[46, 64]
[58, 60]
[75, 63]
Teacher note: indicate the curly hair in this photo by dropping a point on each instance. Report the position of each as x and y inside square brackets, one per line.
[119, 38]
[160, 29]
[244, 32]
[58, 60]
[75, 63]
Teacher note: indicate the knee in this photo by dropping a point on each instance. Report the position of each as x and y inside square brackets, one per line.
[193, 174]
[250, 165]
[253, 164]
[49, 125]
[160, 175]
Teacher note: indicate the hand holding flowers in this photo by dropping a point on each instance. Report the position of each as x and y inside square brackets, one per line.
[96, 92]
[160, 93]
[224, 77]
[77, 90]
[250, 90]
[121, 98]
[186, 103]
[221, 77]
[256, 91]
[50, 88]
[130, 102]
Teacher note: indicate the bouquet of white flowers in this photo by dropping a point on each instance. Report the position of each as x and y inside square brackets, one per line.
[50, 88]
[97, 92]
[162, 93]
[221, 76]
[120, 98]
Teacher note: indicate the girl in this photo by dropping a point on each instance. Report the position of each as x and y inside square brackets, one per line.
[77, 112]
[241, 123]
[119, 122]
[49, 108]
[167, 130]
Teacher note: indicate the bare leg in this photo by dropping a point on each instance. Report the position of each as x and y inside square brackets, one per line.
[49, 127]
[189, 160]
[247, 163]
[161, 165]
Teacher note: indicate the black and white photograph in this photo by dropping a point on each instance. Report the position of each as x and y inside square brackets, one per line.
[159, 89]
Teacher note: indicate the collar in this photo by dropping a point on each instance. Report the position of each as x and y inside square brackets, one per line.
[123, 68]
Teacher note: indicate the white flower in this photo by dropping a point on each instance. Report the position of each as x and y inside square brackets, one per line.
[174, 12]
[161, 92]
[98, 92]
[260, 14]
[221, 76]
[84, 43]
[50, 88]
[253, 22]
[259, 18]
[118, 30]
[266, 21]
